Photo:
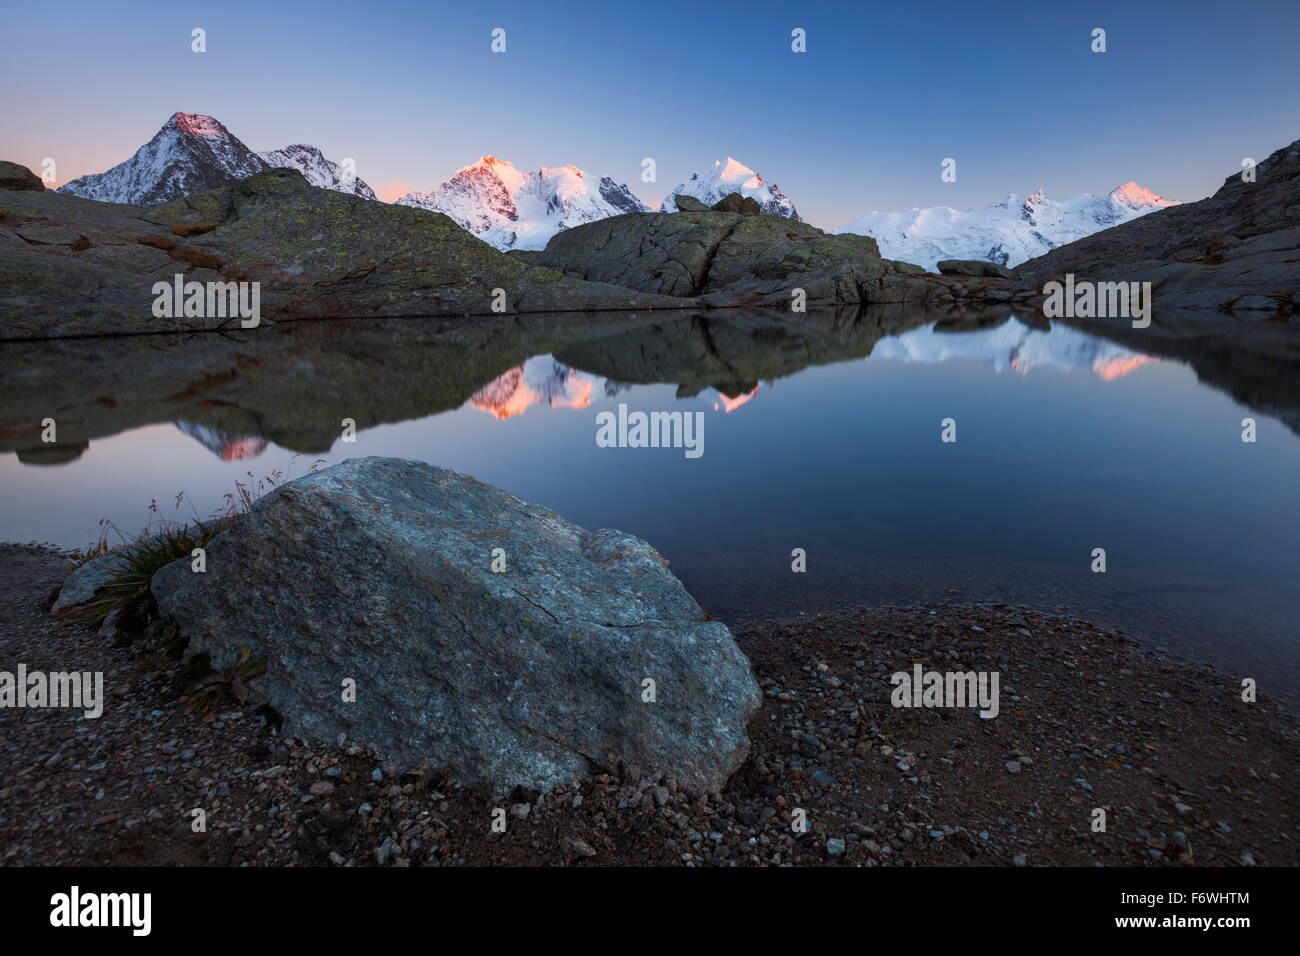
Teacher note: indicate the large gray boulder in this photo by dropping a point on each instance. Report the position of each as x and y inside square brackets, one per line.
[380, 570]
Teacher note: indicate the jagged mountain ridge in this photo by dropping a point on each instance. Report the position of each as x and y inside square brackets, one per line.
[192, 153]
[318, 170]
[506, 207]
[516, 209]
[734, 177]
[1008, 232]
[1234, 251]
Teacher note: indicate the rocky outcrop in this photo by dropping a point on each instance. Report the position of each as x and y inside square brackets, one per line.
[13, 176]
[972, 267]
[687, 203]
[1237, 251]
[70, 266]
[735, 259]
[722, 179]
[380, 572]
[735, 202]
[317, 170]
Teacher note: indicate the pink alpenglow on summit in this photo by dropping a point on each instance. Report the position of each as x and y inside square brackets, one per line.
[515, 209]
[1008, 232]
[1138, 197]
[539, 381]
[732, 177]
[196, 124]
[193, 153]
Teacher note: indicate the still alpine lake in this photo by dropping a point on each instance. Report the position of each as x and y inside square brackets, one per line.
[823, 434]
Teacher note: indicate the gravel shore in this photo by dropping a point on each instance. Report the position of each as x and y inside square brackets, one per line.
[1186, 771]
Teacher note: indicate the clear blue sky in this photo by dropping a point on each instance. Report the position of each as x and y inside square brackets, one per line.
[861, 121]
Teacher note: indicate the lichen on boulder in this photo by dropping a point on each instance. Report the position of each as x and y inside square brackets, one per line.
[484, 635]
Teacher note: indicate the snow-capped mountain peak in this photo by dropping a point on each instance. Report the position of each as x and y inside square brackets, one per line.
[190, 153]
[513, 179]
[478, 196]
[734, 176]
[196, 124]
[318, 170]
[1139, 197]
[1007, 232]
[1038, 198]
[737, 172]
[193, 152]
[516, 209]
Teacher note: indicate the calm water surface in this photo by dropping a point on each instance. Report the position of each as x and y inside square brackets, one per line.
[826, 439]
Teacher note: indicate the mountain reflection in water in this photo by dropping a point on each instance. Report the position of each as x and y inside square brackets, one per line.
[821, 432]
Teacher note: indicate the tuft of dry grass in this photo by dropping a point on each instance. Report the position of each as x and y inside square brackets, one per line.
[162, 541]
[113, 539]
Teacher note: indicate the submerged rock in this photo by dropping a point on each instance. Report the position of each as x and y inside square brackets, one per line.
[380, 571]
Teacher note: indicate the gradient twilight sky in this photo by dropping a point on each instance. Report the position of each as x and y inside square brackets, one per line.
[860, 122]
